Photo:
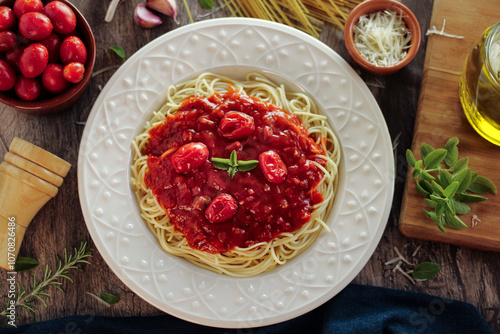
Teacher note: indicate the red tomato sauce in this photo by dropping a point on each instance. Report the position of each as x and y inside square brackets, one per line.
[265, 209]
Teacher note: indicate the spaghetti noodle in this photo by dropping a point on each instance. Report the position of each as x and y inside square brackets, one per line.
[251, 258]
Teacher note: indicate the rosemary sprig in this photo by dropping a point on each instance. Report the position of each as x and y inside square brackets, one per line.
[25, 298]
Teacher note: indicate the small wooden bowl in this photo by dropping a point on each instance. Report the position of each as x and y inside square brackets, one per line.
[368, 7]
[56, 103]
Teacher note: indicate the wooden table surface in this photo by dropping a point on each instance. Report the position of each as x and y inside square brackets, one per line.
[467, 275]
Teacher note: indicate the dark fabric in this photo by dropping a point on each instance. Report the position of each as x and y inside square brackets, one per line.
[357, 309]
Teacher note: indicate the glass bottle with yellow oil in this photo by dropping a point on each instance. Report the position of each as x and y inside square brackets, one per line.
[480, 85]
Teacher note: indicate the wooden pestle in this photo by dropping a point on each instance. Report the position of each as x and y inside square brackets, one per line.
[29, 177]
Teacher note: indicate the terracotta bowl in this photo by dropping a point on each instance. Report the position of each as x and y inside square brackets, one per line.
[55, 103]
[368, 7]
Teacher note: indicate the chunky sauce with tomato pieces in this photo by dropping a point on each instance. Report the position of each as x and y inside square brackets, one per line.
[265, 209]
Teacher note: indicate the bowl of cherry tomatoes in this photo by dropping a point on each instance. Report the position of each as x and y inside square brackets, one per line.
[47, 55]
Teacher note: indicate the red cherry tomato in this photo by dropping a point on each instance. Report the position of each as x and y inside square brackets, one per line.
[236, 125]
[27, 89]
[189, 157]
[13, 56]
[273, 167]
[7, 18]
[62, 17]
[53, 79]
[222, 208]
[73, 72]
[34, 60]
[7, 40]
[35, 26]
[7, 76]
[53, 44]
[22, 7]
[73, 50]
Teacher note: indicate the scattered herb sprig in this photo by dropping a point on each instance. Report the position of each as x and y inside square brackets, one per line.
[447, 188]
[232, 165]
[206, 4]
[26, 298]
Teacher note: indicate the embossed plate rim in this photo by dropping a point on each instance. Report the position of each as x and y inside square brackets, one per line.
[195, 306]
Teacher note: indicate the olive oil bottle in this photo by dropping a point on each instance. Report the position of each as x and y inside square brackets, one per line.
[480, 85]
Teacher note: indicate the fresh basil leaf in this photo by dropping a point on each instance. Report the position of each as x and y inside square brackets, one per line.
[421, 190]
[426, 270]
[434, 158]
[460, 165]
[437, 189]
[206, 4]
[451, 189]
[233, 159]
[231, 171]
[452, 221]
[426, 176]
[445, 178]
[426, 186]
[449, 207]
[452, 151]
[461, 208]
[482, 185]
[244, 166]
[464, 177]
[118, 51]
[25, 263]
[220, 165]
[425, 149]
[430, 202]
[410, 158]
[109, 298]
[469, 198]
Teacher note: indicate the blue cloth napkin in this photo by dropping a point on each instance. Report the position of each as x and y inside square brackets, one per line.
[357, 309]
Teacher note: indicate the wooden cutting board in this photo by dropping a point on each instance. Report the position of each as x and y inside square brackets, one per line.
[440, 116]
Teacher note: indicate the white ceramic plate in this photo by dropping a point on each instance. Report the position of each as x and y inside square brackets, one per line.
[234, 46]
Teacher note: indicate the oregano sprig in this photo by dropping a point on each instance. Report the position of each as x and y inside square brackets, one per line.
[232, 165]
[447, 188]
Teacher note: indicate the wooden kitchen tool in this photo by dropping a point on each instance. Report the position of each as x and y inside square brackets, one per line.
[29, 177]
[440, 116]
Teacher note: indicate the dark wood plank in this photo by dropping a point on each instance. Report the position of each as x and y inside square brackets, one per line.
[60, 223]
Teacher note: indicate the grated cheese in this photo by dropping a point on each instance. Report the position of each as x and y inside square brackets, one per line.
[441, 32]
[382, 37]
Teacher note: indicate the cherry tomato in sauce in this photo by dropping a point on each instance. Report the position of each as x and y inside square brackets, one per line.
[222, 208]
[62, 17]
[236, 125]
[189, 157]
[53, 79]
[7, 18]
[272, 166]
[27, 89]
[7, 40]
[35, 26]
[73, 50]
[7, 76]
[53, 44]
[33, 60]
[73, 72]
[22, 7]
[14, 56]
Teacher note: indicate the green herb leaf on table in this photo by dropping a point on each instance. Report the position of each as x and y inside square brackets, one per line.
[118, 51]
[206, 4]
[25, 263]
[109, 298]
[447, 188]
[426, 270]
[233, 165]
[26, 298]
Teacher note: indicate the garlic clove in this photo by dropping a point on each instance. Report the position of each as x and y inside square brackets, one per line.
[167, 7]
[145, 18]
